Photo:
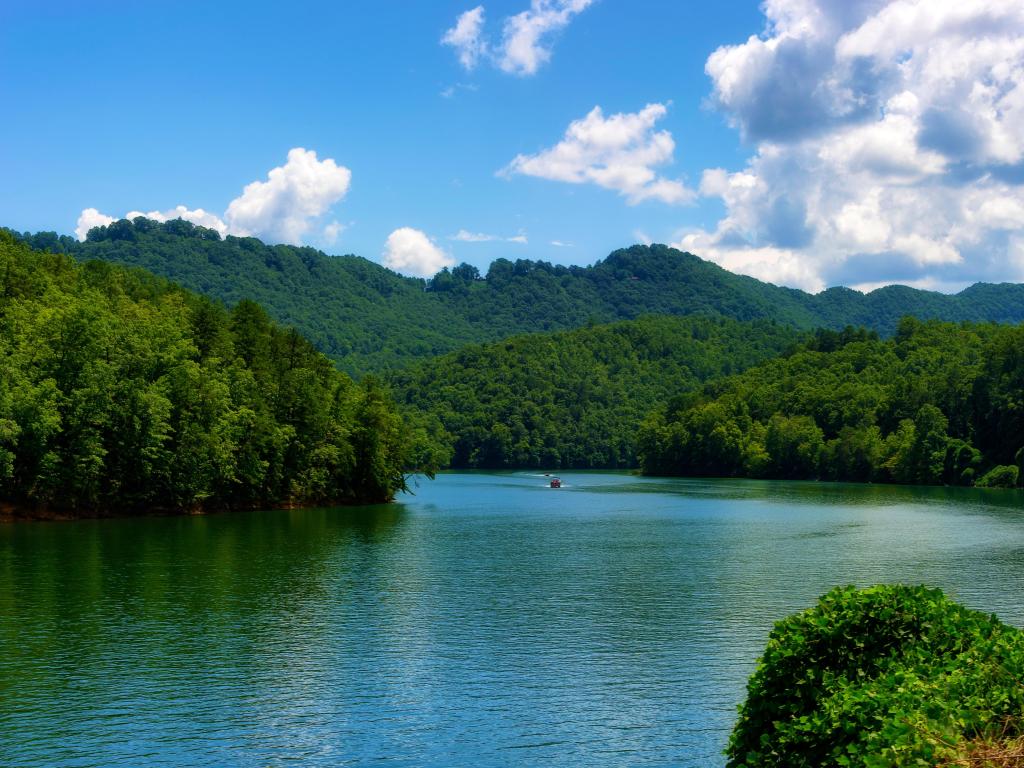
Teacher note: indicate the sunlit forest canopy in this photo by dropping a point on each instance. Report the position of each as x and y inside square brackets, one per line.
[370, 319]
[121, 392]
[936, 404]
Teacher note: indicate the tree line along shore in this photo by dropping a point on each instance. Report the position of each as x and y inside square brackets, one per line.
[123, 392]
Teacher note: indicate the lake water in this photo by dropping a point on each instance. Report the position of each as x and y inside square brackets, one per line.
[486, 621]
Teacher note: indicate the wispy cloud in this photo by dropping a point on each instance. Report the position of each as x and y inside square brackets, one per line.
[466, 37]
[454, 88]
[464, 236]
[332, 232]
[526, 39]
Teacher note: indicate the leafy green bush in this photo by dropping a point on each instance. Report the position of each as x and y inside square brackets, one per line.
[1003, 476]
[886, 676]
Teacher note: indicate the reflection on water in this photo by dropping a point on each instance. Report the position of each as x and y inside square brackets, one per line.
[818, 493]
[488, 620]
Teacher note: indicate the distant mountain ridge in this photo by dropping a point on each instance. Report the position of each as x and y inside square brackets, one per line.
[370, 319]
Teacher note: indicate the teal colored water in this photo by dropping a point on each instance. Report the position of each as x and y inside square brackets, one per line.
[486, 621]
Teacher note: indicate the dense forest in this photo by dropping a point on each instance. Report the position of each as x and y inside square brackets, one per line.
[576, 398]
[363, 316]
[369, 319]
[120, 392]
[936, 404]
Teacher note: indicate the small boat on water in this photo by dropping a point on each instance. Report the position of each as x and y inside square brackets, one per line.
[556, 483]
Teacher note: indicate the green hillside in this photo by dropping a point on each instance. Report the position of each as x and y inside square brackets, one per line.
[577, 398]
[121, 392]
[370, 319]
[360, 314]
[937, 403]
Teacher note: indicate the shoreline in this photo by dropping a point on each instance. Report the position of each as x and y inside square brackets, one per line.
[637, 472]
[828, 481]
[14, 513]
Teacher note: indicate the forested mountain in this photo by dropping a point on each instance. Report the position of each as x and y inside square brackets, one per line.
[577, 398]
[363, 316]
[120, 392]
[370, 319]
[936, 404]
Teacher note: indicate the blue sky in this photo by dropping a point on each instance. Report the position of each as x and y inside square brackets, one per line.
[825, 149]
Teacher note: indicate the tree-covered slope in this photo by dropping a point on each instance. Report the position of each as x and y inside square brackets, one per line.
[577, 398]
[370, 319]
[358, 313]
[120, 392]
[882, 309]
[937, 403]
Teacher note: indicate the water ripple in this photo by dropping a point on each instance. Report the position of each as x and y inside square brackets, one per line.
[488, 621]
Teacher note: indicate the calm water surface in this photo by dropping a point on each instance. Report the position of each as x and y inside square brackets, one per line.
[486, 621]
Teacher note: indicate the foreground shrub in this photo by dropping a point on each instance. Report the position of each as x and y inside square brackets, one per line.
[886, 676]
[989, 752]
[1003, 476]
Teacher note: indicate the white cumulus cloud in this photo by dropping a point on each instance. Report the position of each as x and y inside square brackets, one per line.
[526, 37]
[198, 216]
[619, 152]
[88, 219]
[889, 144]
[412, 252]
[282, 207]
